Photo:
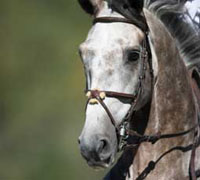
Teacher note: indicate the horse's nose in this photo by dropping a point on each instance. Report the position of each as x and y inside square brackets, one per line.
[95, 149]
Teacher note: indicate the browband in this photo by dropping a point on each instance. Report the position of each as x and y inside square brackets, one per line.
[119, 20]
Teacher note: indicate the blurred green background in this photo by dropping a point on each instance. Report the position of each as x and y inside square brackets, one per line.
[41, 94]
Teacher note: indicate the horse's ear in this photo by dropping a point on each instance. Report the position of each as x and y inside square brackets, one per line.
[87, 6]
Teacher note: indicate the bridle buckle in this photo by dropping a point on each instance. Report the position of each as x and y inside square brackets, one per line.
[123, 135]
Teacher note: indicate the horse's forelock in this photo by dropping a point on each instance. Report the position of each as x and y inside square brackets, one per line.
[131, 10]
[90, 6]
[87, 6]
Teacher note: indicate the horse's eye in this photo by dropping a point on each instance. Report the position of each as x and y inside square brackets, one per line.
[133, 55]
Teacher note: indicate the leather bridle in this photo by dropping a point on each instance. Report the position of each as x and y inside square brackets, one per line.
[122, 130]
[98, 96]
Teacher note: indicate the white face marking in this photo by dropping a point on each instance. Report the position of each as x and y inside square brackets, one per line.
[104, 55]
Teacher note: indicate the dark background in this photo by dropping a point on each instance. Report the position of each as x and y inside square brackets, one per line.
[41, 94]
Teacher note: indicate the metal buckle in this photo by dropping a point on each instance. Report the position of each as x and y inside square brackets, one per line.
[123, 136]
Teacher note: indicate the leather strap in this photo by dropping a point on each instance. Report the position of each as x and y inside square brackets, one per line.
[152, 164]
[114, 94]
[95, 94]
[154, 138]
[112, 20]
[120, 20]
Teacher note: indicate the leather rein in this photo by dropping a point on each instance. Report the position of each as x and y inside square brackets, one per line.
[123, 132]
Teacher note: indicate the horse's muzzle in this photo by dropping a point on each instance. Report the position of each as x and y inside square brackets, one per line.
[96, 151]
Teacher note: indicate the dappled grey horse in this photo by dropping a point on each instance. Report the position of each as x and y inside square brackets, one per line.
[141, 64]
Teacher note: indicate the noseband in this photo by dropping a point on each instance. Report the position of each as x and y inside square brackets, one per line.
[96, 96]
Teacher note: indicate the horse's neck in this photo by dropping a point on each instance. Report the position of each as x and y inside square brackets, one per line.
[173, 106]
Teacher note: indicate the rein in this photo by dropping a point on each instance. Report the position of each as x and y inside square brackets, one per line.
[123, 132]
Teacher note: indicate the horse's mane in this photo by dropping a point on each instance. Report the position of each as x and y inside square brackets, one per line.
[172, 14]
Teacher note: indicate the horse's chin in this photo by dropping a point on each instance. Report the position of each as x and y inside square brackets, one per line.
[102, 164]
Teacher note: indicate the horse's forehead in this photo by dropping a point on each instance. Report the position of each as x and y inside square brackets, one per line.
[113, 35]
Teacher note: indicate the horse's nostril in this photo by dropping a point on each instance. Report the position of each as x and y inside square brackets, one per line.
[96, 150]
[102, 146]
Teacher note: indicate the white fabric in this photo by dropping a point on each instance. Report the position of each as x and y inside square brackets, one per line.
[194, 12]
